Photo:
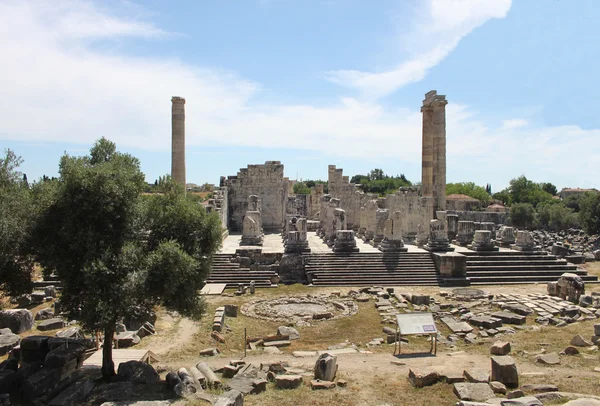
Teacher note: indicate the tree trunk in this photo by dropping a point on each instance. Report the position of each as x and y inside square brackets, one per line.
[108, 366]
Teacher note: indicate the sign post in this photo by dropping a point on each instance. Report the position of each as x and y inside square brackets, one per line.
[415, 323]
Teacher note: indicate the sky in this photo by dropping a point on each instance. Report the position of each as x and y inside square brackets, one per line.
[309, 83]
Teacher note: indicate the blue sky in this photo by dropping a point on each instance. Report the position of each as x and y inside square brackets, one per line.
[309, 83]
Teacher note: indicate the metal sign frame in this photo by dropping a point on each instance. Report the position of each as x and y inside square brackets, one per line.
[428, 328]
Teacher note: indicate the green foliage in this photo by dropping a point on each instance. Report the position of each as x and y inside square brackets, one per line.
[504, 196]
[300, 188]
[556, 216]
[549, 188]
[589, 212]
[313, 183]
[378, 182]
[117, 252]
[572, 201]
[522, 214]
[523, 190]
[16, 219]
[470, 189]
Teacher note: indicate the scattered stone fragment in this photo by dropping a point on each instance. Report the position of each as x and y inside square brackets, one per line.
[500, 348]
[326, 367]
[209, 352]
[420, 379]
[549, 359]
[514, 394]
[288, 381]
[51, 324]
[342, 383]
[539, 388]
[504, 369]
[570, 350]
[317, 384]
[290, 332]
[473, 391]
[498, 387]
[476, 376]
[17, 320]
[579, 341]
[524, 401]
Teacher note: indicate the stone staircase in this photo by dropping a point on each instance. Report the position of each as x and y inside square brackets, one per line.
[230, 273]
[512, 267]
[368, 269]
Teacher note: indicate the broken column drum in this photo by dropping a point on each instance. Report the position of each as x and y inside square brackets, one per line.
[345, 242]
[392, 234]
[482, 241]
[438, 234]
[297, 241]
[452, 226]
[466, 230]
[524, 242]
[506, 236]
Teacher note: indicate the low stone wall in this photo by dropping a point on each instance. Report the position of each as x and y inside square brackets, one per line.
[482, 216]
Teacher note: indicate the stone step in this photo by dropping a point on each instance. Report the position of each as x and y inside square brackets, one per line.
[497, 280]
[532, 273]
[369, 267]
[501, 268]
[506, 253]
[512, 263]
[368, 283]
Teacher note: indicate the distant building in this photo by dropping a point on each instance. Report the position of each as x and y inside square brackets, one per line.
[566, 192]
[497, 208]
[462, 202]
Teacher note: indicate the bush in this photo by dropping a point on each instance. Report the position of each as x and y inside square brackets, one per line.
[522, 214]
[556, 216]
[589, 212]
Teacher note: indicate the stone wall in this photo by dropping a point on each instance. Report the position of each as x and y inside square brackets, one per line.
[314, 201]
[220, 204]
[482, 216]
[350, 195]
[268, 183]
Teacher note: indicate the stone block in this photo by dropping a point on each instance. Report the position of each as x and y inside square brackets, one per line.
[317, 384]
[127, 339]
[8, 342]
[326, 367]
[74, 395]
[579, 341]
[8, 381]
[51, 324]
[478, 392]
[17, 320]
[476, 375]
[420, 379]
[138, 372]
[41, 383]
[290, 332]
[230, 398]
[498, 387]
[549, 359]
[500, 348]
[288, 381]
[523, 401]
[504, 369]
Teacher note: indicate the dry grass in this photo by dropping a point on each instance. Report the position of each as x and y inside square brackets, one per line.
[593, 268]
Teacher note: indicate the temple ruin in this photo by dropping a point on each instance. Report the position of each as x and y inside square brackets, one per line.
[349, 237]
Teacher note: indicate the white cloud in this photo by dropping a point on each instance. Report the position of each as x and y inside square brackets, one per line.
[58, 88]
[440, 26]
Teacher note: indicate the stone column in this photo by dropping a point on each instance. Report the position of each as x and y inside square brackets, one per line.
[439, 153]
[427, 147]
[178, 140]
[466, 229]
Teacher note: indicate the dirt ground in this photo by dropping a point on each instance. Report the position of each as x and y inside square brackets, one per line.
[378, 377]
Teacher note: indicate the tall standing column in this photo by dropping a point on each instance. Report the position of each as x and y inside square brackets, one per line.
[178, 140]
[427, 147]
[439, 153]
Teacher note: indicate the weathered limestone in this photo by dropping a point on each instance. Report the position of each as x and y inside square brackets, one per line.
[504, 369]
[345, 241]
[524, 242]
[438, 234]
[252, 231]
[370, 220]
[326, 367]
[506, 236]
[297, 240]
[433, 179]
[178, 140]
[452, 226]
[465, 233]
[381, 216]
[265, 181]
[482, 241]
[392, 234]
[325, 199]
[425, 216]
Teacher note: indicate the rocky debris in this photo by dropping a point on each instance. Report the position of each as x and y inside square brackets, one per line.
[138, 372]
[71, 332]
[326, 367]
[504, 369]
[420, 379]
[74, 394]
[570, 350]
[549, 359]
[500, 348]
[583, 402]
[8, 341]
[45, 314]
[231, 310]
[478, 392]
[230, 398]
[288, 381]
[539, 388]
[289, 332]
[51, 324]
[50, 291]
[476, 376]
[215, 335]
[498, 387]
[209, 352]
[212, 380]
[579, 341]
[317, 384]
[523, 401]
[17, 320]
